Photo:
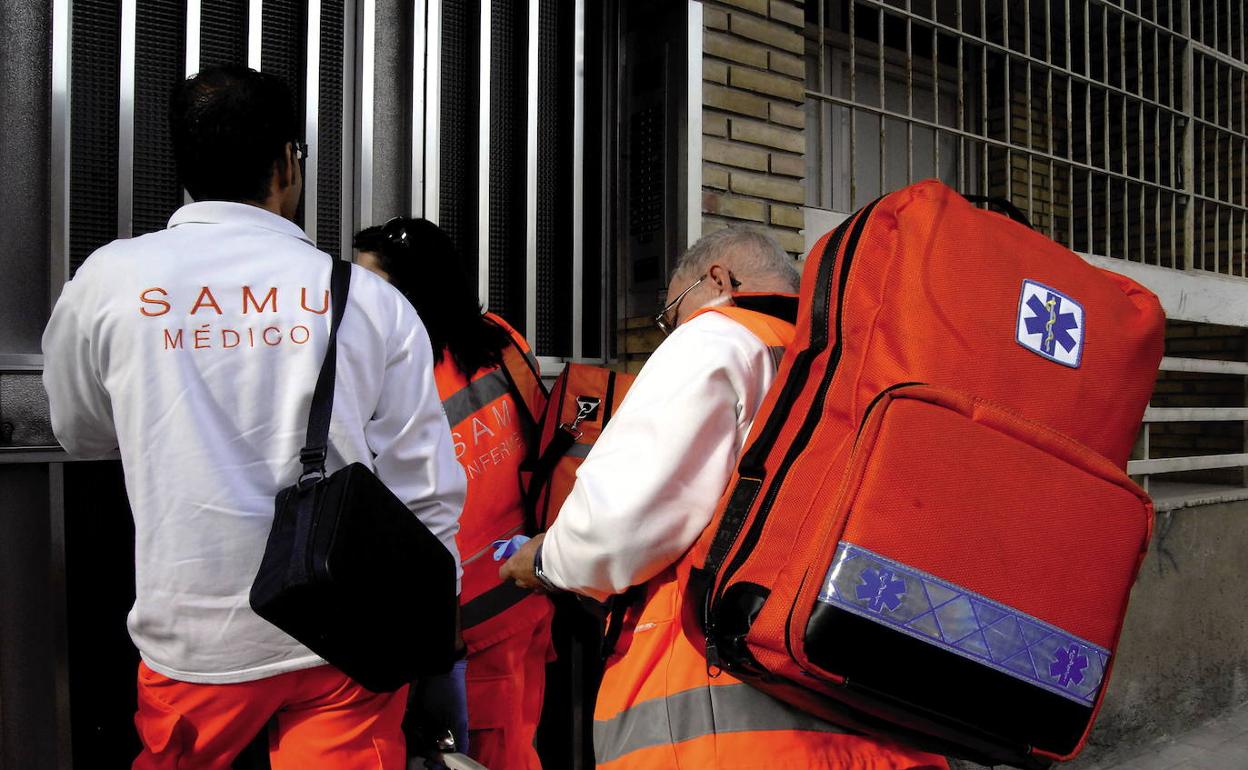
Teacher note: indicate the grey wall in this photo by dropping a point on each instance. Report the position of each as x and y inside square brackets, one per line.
[25, 135]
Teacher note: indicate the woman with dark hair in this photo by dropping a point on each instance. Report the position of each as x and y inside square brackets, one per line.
[488, 382]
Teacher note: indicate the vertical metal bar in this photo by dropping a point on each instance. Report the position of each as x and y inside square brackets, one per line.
[1027, 72]
[909, 94]
[125, 118]
[853, 113]
[578, 181]
[255, 20]
[59, 611]
[61, 148]
[961, 102]
[346, 189]
[1008, 101]
[883, 105]
[416, 182]
[432, 117]
[983, 97]
[192, 36]
[364, 163]
[1189, 143]
[936, 98]
[693, 136]
[825, 197]
[483, 159]
[530, 172]
[312, 89]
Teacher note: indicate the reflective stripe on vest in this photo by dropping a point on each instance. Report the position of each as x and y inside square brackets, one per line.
[475, 396]
[696, 713]
[499, 599]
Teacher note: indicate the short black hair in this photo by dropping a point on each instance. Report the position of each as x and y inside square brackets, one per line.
[230, 125]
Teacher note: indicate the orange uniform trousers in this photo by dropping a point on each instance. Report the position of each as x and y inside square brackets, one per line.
[506, 686]
[324, 720]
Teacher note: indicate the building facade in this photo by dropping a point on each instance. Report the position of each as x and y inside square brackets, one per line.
[573, 149]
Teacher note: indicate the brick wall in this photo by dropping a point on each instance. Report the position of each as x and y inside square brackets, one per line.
[753, 119]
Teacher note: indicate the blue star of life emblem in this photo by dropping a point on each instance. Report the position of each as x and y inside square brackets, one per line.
[1050, 324]
[880, 589]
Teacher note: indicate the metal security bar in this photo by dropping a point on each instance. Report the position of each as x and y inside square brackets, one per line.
[1120, 128]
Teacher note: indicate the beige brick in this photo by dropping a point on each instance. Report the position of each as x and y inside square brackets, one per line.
[714, 123]
[788, 115]
[766, 83]
[771, 136]
[772, 33]
[788, 165]
[714, 18]
[757, 6]
[735, 100]
[732, 154]
[715, 177]
[734, 208]
[787, 216]
[787, 12]
[715, 71]
[787, 63]
[790, 241]
[734, 49]
[710, 225]
[770, 187]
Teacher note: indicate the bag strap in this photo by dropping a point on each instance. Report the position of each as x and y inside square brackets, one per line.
[316, 445]
[1003, 205]
[524, 381]
[620, 605]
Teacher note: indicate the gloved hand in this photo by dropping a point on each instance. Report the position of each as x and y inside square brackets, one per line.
[439, 703]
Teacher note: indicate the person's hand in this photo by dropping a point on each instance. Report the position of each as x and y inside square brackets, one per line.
[439, 703]
[519, 568]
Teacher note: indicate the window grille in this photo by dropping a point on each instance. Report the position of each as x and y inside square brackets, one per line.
[1119, 126]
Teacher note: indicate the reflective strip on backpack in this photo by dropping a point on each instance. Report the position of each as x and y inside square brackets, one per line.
[498, 599]
[578, 450]
[696, 713]
[468, 400]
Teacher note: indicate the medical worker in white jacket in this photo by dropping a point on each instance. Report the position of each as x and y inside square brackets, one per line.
[194, 350]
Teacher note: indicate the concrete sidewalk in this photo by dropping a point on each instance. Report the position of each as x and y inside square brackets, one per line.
[1218, 745]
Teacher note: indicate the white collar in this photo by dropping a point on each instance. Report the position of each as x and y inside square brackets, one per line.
[221, 212]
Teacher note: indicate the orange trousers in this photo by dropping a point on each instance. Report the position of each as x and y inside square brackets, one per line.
[324, 720]
[506, 685]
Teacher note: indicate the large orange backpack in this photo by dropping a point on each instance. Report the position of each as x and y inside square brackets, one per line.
[930, 535]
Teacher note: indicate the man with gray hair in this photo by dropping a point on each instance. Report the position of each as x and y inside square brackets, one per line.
[643, 498]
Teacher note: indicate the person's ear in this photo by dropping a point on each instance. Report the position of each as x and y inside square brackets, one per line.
[288, 166]
[721, 277]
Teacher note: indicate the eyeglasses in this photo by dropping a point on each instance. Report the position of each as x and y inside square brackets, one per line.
[300, 150]
[666, 326]
[660, 320]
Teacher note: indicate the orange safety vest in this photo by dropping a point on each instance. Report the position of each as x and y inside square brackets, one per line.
[492, 435]
[660, 707]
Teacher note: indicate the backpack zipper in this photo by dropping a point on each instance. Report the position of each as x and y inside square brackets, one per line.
[768, 436]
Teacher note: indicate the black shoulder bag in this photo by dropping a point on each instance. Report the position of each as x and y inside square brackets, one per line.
[349, 570]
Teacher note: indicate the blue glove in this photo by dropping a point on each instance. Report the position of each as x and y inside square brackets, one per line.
[440, 703]
[503, 549]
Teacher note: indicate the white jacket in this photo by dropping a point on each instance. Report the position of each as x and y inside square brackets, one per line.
[194, 350]
[651, 483]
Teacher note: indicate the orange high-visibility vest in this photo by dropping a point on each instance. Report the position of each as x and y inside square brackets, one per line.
[660, 708]
[491, 434]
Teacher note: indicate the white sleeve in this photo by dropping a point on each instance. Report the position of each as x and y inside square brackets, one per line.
[409, 436]
[81, 410]
[651, 483]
